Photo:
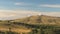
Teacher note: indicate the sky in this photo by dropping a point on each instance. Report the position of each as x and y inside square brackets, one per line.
[12, 9]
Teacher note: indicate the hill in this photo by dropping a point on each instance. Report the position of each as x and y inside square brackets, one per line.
[31, 25]
[43, 19]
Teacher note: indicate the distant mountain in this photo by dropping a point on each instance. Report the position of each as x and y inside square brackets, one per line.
[40, 19]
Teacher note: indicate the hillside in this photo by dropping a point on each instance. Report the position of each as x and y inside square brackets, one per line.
[43, 19]
[31, 25]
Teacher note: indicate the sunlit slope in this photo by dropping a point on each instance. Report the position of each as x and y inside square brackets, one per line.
[39, 20]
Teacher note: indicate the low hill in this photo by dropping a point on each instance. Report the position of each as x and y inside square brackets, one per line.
[40, 23]
[40, 19]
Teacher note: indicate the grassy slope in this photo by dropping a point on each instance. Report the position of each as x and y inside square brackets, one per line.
[40, 20]
[47, 20]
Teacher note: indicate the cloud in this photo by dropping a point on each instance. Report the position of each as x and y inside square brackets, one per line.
[50, 6]
[19, 3]
[56, 14]
[14, 14]
[22, 4]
